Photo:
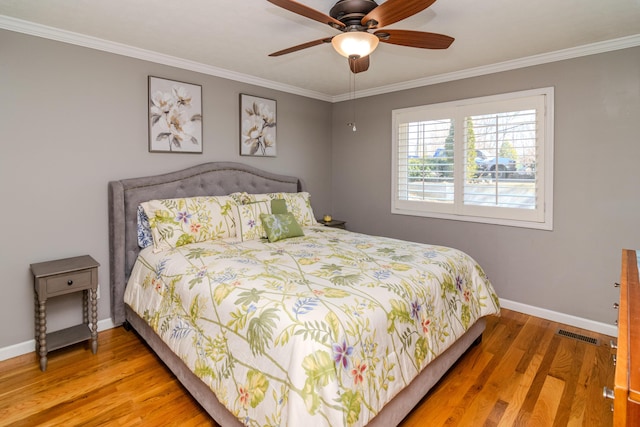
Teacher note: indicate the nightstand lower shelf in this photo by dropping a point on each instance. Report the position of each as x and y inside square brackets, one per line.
[68, 336]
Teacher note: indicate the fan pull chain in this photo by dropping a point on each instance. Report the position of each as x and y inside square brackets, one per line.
[353, 99]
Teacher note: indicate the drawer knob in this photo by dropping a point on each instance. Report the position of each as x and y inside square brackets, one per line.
[69, 282]
[608, 393]
[616, 305]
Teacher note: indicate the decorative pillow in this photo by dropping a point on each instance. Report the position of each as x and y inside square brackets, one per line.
[279, 206]
[177, 222]
[280, 226]
[299, 204]
[144, 229]
[247, 219]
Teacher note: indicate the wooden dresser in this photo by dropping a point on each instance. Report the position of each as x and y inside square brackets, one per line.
[626, 404]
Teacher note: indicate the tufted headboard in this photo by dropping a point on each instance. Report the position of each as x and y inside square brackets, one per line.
[208, 179]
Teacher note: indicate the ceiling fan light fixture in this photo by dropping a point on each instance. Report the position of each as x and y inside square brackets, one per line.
[355, 44]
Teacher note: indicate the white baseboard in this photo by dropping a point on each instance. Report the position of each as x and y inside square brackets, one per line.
[567, 319]
[29, 346]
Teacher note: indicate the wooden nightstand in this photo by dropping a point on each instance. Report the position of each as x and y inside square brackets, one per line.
[335, 223]
[61, 277]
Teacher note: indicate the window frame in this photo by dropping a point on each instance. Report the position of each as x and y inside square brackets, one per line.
[539, 218]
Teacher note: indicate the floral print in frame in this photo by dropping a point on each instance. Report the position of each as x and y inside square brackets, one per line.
[175, 116]
[257, 126]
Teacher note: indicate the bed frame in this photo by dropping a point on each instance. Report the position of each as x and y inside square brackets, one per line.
[217, 179]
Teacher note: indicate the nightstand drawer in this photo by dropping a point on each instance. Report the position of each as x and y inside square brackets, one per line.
[69, 282]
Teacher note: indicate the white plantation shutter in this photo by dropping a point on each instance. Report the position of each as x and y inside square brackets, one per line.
[484, 159]
[419, 164]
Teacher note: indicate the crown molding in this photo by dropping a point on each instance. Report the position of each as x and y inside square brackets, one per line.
[38, 30]
[560, 55]
[51, 33]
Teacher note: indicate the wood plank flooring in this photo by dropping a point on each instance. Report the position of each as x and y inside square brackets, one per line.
[522, 374]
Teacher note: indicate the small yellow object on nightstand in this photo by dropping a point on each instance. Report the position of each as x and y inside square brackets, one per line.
[327, 218]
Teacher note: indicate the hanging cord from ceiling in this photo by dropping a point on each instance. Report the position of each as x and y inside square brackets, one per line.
[352, 93]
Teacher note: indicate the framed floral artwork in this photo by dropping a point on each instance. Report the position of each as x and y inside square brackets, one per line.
[257, 126]
[175, 116]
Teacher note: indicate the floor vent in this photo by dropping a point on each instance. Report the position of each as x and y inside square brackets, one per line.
[578, 337]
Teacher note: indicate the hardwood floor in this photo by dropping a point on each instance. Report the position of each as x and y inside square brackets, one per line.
[522, 374]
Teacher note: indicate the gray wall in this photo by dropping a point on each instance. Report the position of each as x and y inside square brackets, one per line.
[72, 119]
[596, 187]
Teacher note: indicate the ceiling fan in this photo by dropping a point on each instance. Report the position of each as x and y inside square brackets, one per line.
[354, 18]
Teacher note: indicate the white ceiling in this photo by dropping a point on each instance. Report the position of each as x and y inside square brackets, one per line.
[236, 36]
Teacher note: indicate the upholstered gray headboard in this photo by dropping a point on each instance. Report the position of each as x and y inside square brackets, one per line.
[209, 179]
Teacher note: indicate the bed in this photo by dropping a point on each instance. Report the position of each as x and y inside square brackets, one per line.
[326, 327]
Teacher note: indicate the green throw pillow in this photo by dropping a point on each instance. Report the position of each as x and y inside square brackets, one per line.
[280, 226]
[278, 206]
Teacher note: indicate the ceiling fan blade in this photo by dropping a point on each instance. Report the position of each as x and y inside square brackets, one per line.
[307, 12]
[393, 11]
[358, 65]
[301, 46]
[418, 39]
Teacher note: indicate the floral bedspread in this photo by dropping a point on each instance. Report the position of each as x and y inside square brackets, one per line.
[319, 330]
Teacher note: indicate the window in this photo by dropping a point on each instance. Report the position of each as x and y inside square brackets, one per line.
[486, 159]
